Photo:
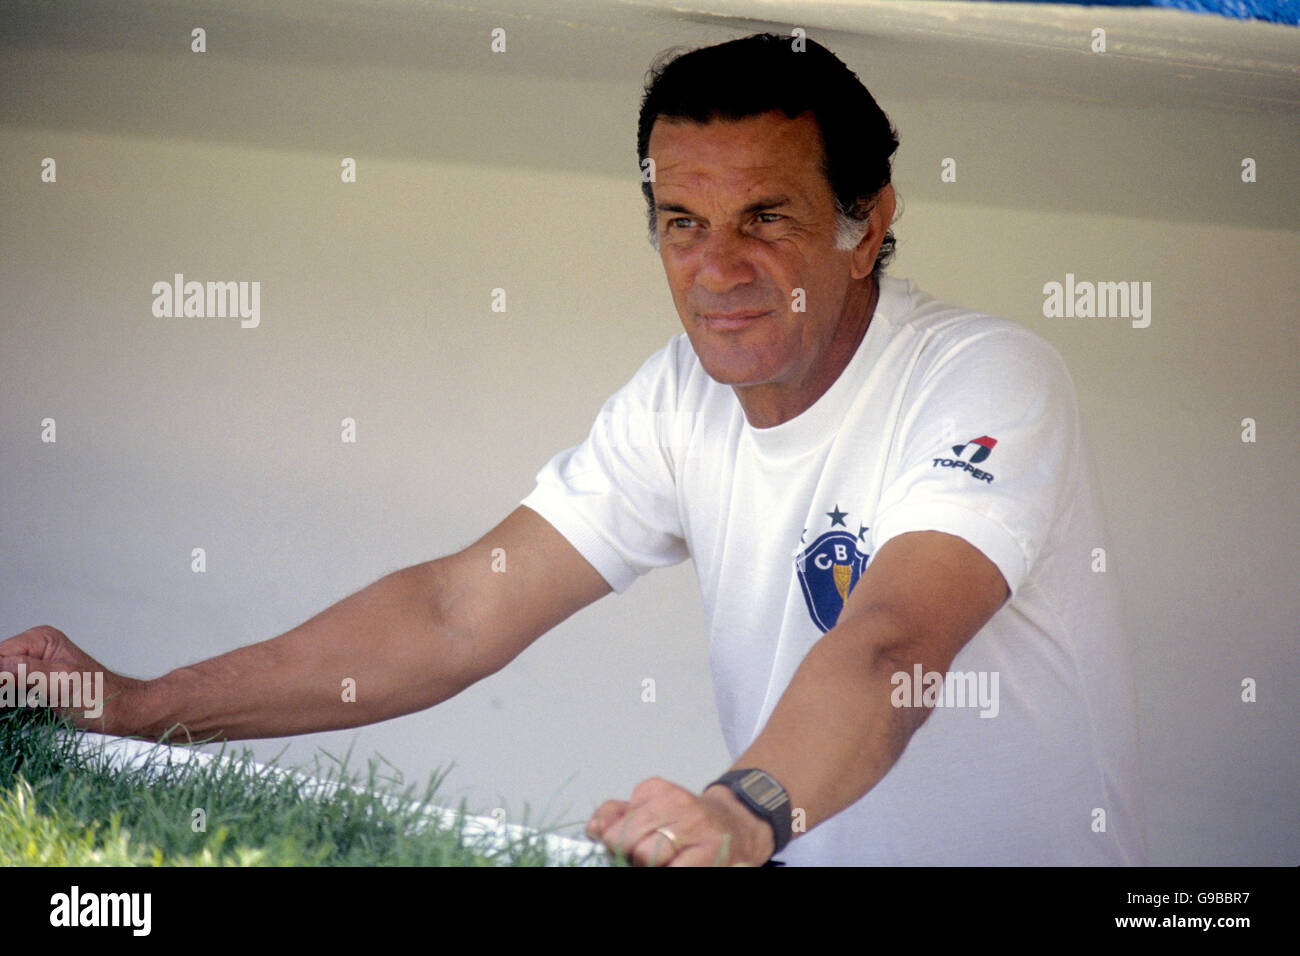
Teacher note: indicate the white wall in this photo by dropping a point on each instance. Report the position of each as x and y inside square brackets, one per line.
[518, 172]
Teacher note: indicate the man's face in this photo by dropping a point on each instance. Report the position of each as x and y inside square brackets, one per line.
[745, 218]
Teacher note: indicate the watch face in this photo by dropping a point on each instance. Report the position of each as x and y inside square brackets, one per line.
[765, 791]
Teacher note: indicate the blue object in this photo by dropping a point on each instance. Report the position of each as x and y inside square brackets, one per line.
[1275, 11]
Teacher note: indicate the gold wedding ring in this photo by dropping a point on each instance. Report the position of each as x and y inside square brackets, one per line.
[671, 837]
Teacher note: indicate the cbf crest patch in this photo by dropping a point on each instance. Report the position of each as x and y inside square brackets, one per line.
[830, 567]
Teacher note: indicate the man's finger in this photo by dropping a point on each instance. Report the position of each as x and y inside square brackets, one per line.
[701, 855]
[31, 665]
[42, 645]
[657, 848]
[21, 645]
[606, 815]
[632, 832]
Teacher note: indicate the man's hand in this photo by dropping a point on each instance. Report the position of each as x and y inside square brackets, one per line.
[47, 650]
[715, 829]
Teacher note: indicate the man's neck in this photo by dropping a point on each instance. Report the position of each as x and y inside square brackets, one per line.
[767, 406]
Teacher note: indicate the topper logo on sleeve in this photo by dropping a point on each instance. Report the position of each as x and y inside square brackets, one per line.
[968, 455]
[829, 568]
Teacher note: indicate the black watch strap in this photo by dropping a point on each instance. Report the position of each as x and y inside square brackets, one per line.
[759, 791]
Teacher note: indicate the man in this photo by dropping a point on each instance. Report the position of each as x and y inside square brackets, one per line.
[888, 504]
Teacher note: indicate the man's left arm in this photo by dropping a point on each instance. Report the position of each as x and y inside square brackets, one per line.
[834, 733]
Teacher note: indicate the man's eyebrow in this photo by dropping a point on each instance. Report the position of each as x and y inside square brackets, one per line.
[767, 202]
[758, 205]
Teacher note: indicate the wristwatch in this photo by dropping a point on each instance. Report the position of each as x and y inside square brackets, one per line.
[759, 791]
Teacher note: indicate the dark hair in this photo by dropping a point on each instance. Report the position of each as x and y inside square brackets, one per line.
[763, 72]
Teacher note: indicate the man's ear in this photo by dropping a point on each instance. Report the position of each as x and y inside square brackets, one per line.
[880, 216]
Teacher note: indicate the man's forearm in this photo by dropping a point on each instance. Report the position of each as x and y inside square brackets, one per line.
[379, 653]
[834, 734]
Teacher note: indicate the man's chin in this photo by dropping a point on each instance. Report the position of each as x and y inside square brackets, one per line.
[735, 372]
[729, 362]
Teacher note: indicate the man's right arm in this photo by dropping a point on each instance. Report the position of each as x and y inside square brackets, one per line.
[410, 640]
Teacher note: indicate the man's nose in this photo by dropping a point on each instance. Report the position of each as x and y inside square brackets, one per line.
[725, 261]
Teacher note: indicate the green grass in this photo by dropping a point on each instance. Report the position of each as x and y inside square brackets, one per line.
[60, 806]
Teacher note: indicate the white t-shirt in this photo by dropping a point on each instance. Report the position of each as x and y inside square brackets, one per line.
[943, 420]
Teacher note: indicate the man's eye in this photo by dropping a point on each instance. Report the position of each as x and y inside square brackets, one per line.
[770, 217]
[679, 222]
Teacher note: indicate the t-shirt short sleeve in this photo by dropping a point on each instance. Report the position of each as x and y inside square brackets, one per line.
[614, 495]
[987, 447]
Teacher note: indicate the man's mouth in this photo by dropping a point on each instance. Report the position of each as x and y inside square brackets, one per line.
[729, 321]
